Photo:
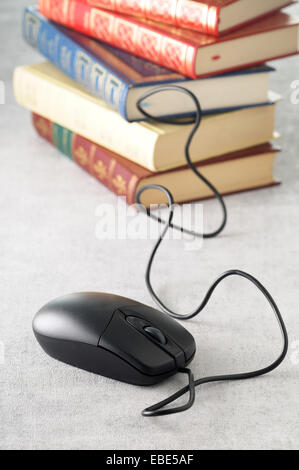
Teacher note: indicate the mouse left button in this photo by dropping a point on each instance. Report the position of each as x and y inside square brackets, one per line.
[80, 318]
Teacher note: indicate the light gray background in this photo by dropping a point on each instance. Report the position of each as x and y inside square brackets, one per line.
[48, 248]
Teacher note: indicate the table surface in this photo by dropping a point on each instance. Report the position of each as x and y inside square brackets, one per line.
[49, 246]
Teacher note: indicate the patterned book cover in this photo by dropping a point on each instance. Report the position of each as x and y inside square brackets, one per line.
[171, 47]
[117, 173]
[200, 15]
[104, 71]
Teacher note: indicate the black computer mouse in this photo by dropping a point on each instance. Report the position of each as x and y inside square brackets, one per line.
[113, 336]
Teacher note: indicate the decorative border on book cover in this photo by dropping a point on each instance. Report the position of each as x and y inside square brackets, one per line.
[188, 14]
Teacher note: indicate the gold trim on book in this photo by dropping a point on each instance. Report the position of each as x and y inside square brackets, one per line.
[92, 152]
[131, 189]
[101, 170]
[120, 185]
[81, 155]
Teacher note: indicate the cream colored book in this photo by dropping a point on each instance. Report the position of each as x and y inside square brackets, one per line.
[45, 90]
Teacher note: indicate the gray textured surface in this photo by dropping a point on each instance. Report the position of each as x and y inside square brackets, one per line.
[48, 247]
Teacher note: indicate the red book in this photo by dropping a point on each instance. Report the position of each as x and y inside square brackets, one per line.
[205, 16]
[232, 173]
[186, 52]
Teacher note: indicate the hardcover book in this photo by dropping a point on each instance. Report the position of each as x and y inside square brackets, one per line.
[205, 16]
[43, 89]
[120, 78]
[187, 52]
[240, 171]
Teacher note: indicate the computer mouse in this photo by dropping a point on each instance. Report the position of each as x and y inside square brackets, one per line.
[113, 336]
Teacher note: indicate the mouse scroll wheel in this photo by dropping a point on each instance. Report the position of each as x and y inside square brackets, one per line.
[156, 334]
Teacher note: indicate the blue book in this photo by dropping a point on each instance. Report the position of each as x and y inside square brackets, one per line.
[120, 79]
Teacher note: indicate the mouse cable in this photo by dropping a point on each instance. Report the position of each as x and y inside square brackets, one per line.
[196, 120]
[156, 410]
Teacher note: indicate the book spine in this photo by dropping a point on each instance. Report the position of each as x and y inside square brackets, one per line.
[124, 33]
[92, 158]
[42, 95]
[74, 61]
[188, 14]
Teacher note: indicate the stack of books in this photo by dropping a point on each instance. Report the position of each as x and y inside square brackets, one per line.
[104, 55]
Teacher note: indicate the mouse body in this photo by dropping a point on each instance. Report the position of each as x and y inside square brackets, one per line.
[113, 336]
